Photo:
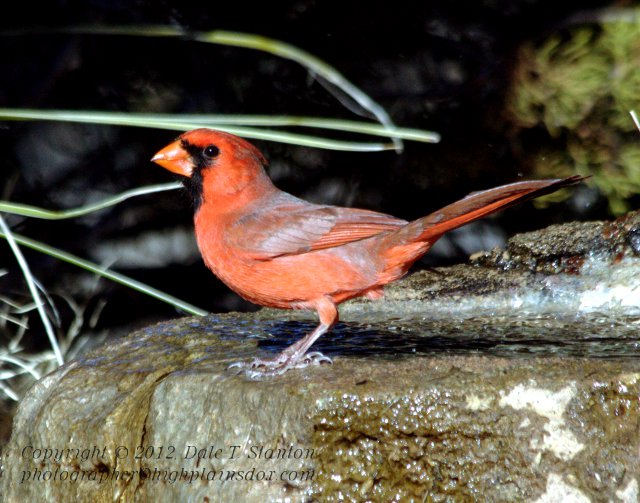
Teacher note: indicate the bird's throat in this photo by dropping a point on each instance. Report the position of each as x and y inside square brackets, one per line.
[194, 187]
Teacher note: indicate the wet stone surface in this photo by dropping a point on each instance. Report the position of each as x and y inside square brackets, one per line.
[567, 247]
[527, 336]
[472, 382]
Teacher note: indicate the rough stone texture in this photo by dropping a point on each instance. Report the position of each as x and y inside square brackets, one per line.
[566, 247]
[445, 392]
[448, 426]
[380, 427]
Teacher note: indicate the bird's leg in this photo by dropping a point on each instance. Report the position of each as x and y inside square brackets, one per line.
[295, 356]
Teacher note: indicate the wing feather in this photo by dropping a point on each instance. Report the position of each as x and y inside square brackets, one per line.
[290, 226]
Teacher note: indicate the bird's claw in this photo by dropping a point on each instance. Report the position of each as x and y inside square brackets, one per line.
[267, 367]
[313, 358]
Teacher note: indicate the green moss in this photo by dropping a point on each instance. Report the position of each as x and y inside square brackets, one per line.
[580, 90]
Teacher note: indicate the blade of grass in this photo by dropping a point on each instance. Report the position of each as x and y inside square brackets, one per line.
[371, 128]
[190, 121]
[9, 392]
[105, 273]
[251, 41]
[35, 212]
[32, 289]
[284, 50]
[314, 64]
[634, 117]
[246, 132]
[18, 363]
[12, 319]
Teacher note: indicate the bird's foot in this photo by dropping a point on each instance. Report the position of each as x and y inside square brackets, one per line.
[267, 367]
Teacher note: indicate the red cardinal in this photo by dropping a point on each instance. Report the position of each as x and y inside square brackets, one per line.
[280, 251]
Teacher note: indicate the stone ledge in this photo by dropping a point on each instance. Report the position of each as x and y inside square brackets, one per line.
[378, 427]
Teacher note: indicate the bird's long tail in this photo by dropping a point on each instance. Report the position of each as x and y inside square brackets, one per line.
[407, 244]
[480, 204]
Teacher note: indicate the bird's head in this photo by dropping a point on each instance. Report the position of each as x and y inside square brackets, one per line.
[215, 164]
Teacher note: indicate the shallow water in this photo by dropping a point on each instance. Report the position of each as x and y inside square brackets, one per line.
[586, 335]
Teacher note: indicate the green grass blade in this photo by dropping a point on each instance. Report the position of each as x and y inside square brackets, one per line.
[370, 128]
[106, 273]
[309, 61]
[315, 65]
[191, 121]
[31, 284]
[634, 117]
[35, 212]
[19, 363]
[246, 132]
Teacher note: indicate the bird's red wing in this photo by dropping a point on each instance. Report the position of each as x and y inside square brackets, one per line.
[295, 229]
[354, 225]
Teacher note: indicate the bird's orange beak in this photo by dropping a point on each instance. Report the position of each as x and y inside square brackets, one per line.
[174, 158]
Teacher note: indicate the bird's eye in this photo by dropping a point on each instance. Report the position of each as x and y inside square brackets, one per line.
[211, 151]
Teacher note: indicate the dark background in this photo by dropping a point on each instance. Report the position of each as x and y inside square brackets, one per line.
[442, 66]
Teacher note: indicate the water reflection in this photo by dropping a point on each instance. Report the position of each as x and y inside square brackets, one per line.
[593, 336]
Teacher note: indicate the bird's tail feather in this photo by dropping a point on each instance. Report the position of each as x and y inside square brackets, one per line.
[479, 204]
[405, 245]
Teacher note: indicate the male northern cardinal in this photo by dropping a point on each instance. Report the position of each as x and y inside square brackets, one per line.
[277, 250]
